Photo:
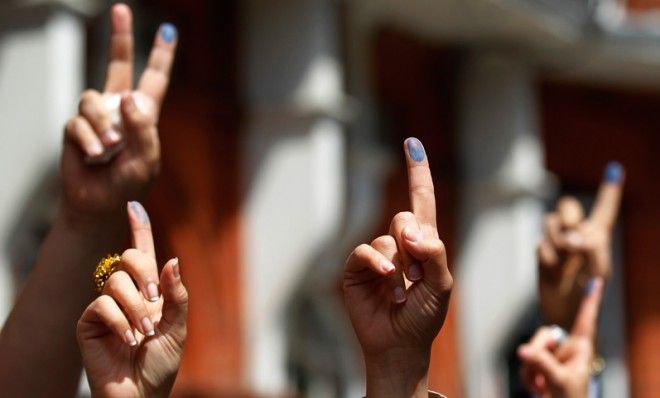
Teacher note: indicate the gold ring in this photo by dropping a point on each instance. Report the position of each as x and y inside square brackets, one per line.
[106, 267]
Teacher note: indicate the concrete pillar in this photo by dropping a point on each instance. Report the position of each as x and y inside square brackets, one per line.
[293, 170]
[502, 164]
[41, 77]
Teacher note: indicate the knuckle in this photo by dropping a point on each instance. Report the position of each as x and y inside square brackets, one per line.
[383, 241]
[402, 217]
[361, 252]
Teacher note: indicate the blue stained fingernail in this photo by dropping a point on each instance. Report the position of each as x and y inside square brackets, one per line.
[416, 149]
[590, 286]
[139, 212]
[613, 172]
[168, 32]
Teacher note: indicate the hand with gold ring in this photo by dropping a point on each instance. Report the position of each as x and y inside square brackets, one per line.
[131, 337]
[560, 365]
[576, 249]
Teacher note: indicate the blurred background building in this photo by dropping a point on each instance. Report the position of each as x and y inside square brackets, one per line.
[281, 139]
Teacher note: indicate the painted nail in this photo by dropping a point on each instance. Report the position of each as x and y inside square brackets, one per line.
[416, 149]
[152, 290]
[613, 172]
[175, 268]
[168, 32]
[412, 234]
[138, 212]
[415, 272]
[94, 148]
[148, 327]
[130, 338]
[387, 266]
[399, 295]
[111, 136]
[590, 286]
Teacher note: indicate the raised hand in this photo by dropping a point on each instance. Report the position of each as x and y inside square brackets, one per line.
[562, 369]
[575, 249]
[396, 320]
[111, 149]
[131, 338]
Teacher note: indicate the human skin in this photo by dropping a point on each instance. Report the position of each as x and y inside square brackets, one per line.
[564, 371]
[576, 248]
[132, 345]
[38, 349]
[396, 325]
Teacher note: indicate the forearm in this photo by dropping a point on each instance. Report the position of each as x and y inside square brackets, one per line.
[397, 376]
[38, 349]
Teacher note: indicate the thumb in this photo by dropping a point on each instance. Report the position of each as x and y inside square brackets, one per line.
[175, 305]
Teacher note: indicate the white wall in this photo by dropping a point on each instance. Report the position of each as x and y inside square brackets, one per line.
[41, 76]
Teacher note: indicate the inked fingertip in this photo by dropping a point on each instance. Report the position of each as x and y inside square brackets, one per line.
[168, 32]
[415, 149]
[613, 172]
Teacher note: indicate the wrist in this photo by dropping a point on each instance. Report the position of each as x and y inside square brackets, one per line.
[92, 225]
[398, 374]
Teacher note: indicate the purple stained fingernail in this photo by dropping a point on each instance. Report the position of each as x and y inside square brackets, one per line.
[415, 272]
[168, 32]
[613, 172]
[399, 295]
[590, 286]
[416, 149]
[139, 212]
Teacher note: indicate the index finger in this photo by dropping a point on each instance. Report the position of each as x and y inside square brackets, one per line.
[120, 61]
[156, 76]
[609, 196]
[142, 237]
[587, 316]
[420, 182]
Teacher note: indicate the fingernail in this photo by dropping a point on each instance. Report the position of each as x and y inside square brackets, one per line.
[399, 295]
[152, 290]
[175, 268]
[94, 149]
[415, 272]
[111, 136]
[387, 266]
[412, 234]
[416, 149]
[168, 32]
[148, 327]
[130, 338]
[574, 238]
[139, 212]
[613, 172]
[590, 285]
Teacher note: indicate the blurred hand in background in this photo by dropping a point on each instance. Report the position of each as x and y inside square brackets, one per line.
[111, 158]
[574, 249]
[555, 365]
[397, 290]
